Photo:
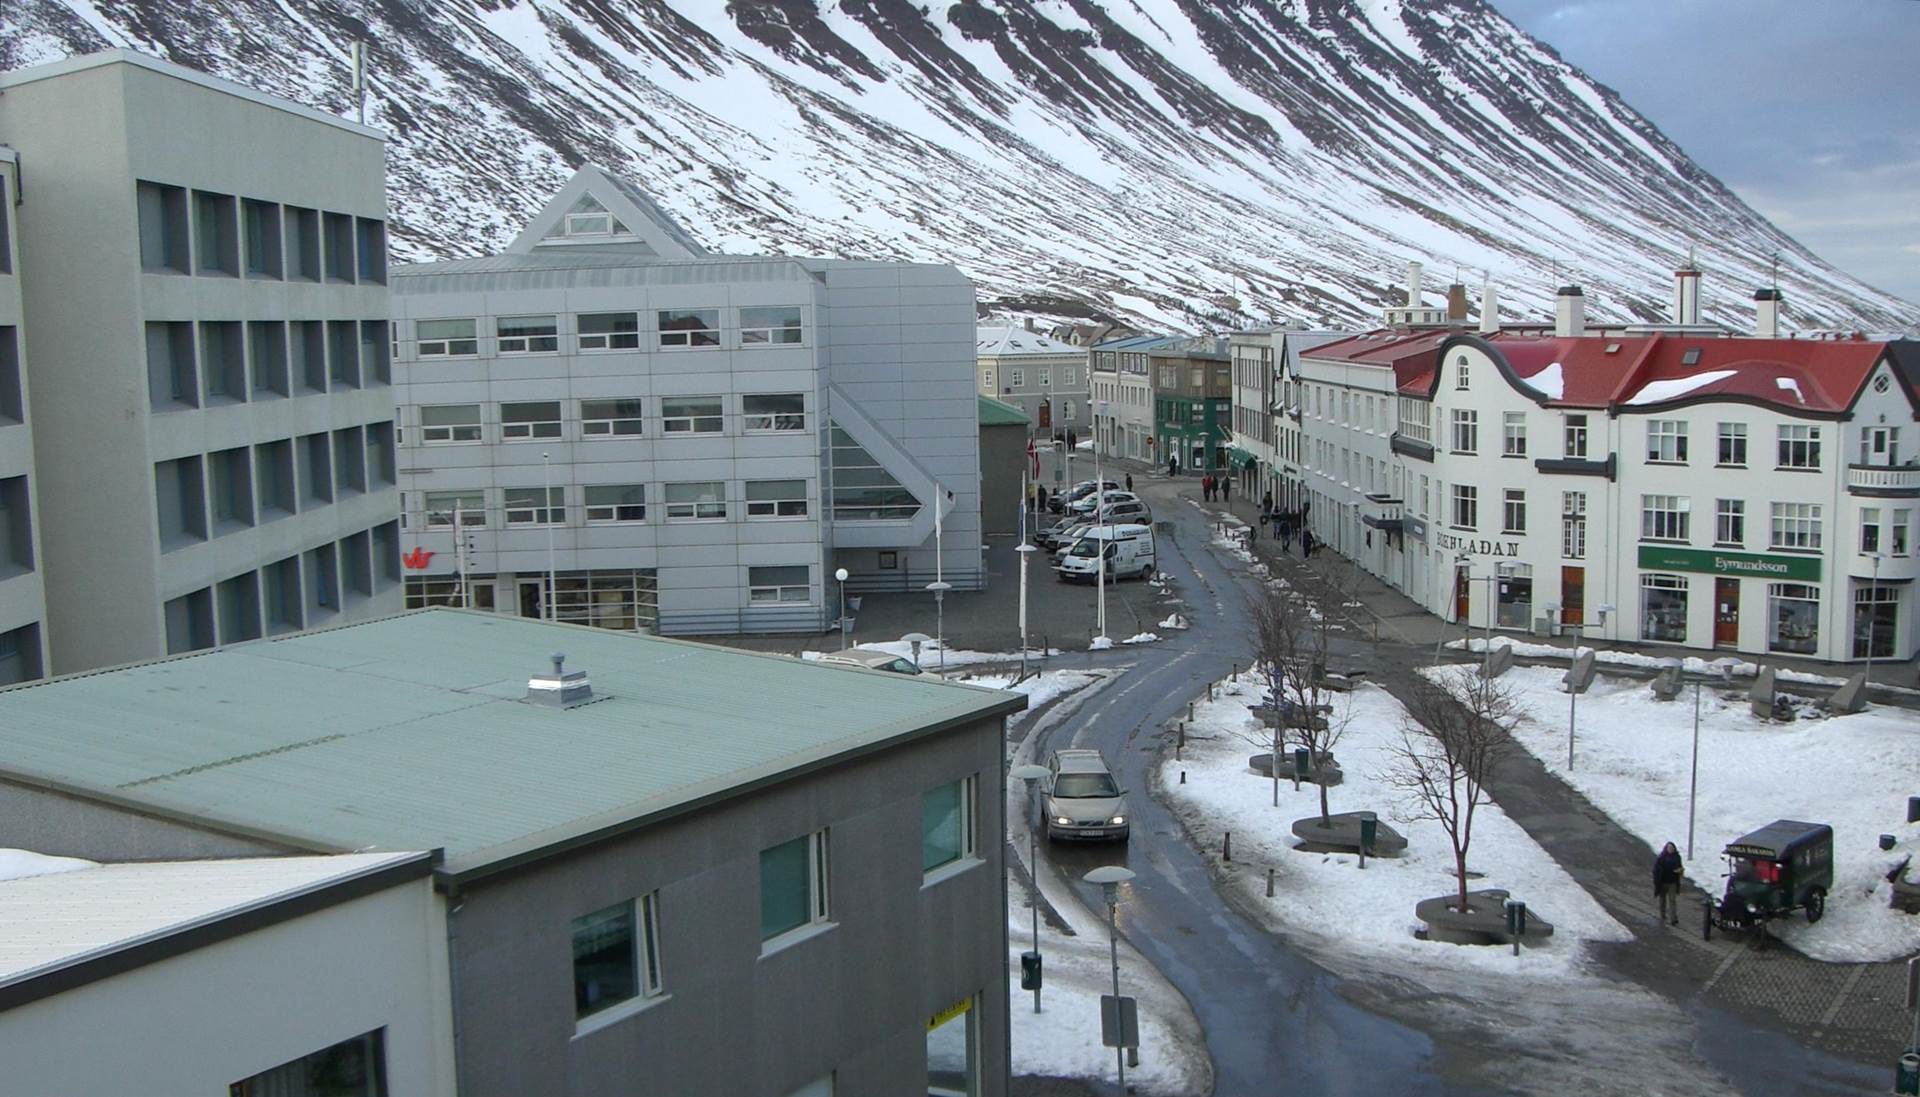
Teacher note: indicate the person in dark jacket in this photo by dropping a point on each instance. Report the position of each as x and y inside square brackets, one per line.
[1040, 497]
[1266, 503]
[1666, 883]
[1129, 481]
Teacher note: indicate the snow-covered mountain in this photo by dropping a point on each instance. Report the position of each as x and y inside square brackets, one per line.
[1183, 163]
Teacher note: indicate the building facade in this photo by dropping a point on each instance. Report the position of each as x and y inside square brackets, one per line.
[1040, 375]
[23, 602]
[203, 272]
[1673, 484]
[1192, 401]
[1265, 426]
[638, 866]
[631, 433]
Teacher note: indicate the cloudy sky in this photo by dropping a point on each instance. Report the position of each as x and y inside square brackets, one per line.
[1808, 109]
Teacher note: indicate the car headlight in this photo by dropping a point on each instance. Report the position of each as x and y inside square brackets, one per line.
[1117, 820]
[1063, 820]
[1751, 909]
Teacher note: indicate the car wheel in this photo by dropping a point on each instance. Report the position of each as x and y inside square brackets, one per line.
[1816, 904]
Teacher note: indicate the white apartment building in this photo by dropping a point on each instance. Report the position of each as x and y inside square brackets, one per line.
[1756, 495]
[23, 602]
[1121, 384]
[631, 433]
[202, 270]
[1265, 431]
[1036, 373]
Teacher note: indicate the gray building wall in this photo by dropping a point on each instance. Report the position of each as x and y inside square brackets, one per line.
[88, 133]
[23, 605]
[853, 1001]
[46, 821]
[198, 1022]
[1003, 463]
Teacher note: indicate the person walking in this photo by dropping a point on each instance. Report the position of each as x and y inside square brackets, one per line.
[1129, 481]
[1666, 883]
[1040, 498]
[1266, 503]
[1173, 466]
[1206, 487]
[1306, 544]
[1226, 489]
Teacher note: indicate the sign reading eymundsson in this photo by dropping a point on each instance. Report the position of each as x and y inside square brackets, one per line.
[1664, 558]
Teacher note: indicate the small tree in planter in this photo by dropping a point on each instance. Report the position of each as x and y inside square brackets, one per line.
[1290, 652]
[1452, 737]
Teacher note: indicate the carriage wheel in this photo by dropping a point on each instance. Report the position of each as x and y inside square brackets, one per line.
[1816, 905]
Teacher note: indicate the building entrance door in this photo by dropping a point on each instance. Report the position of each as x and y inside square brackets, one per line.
[530, 598]
[1726, 613]
[1573, 596]
[1460, 602]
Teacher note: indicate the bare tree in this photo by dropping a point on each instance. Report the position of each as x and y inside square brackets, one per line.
[1291, 639]
[1452, 737]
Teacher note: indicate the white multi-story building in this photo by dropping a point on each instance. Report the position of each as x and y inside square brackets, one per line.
[1121, 384]
[23, 602]
[632, 433]
[203, 275]
[1754, 494]
[1036, 373]
[1265, 432]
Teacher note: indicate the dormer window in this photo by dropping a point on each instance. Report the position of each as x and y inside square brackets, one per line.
[586, 220]
[589, 224]
[1691, 357]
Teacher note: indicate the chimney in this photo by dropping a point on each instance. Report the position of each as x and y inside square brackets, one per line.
[561, 689]
[1489, 309]
[1569, 313]
[1413, 285]
[1456, 303]
[1766, 313]
[1686, 293]
[1029, 323]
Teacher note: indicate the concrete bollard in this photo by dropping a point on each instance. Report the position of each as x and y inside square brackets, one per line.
[1133, 1056]
[1226, 846]
[1183, 776]
[1183, 733]
[1235, 676]
[1189, 711]
[1269, 883]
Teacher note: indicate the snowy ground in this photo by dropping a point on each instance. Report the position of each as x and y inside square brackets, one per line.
[18, 864]
[1692, 664]
[1041, 688]
[1329, 897]
[930, 653]
[1632, 760]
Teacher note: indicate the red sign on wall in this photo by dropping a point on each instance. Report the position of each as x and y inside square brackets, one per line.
[417, 559]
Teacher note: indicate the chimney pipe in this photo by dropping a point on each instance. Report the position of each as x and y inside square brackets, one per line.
[1413, 285]
[1489, 309]
[562, 689]
[1766, 313]
[1686, 293]
[1029, 323]
[1569, 313]
[1456, 303]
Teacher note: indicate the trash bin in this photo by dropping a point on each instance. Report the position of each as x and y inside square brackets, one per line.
[1906, 1076]
[1369, 827]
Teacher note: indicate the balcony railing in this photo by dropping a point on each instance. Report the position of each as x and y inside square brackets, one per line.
[1883, 479]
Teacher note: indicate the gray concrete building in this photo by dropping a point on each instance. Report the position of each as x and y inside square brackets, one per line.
[23, 604]
[174, 977]
[203, 274]
[1040, 375]
[668, 868]
[632, 433]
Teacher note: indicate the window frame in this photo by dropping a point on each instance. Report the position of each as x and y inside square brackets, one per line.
[609, 341]
[527, 342]
[508, 508]
[448, 346]
[1803, 442]
[531, 430]
[649, 981]
[772, 335]
[694, 507]
[777, 508]
[613, 515]
[1802, 522]
[667, 420]
[749, 419]
[1465, 508]
[594, 428]
[1667, 442]
[428, 510]
[684, 338]
[1513, 434]
[819, 898]
[1574, 437]
[1734, 436]
[968, 852]
[1466, 431]
[1730, 517]
[779, 591]
[1513, 503]
[1672, 514]
[452, 437]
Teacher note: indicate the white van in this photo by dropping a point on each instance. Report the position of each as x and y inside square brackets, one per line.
[1128, 550]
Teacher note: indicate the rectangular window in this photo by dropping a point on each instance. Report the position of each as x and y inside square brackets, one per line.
[1466, 507]
[689, 327]
[1667, 441]
[947, 824]
[352, 1068]
[702, 501]
[769, 326]
[164, 234]
[443, 506]
[1046, 377]
[616, 504]
[376, 353]
[1733, 445]
[776, 498]
[180, 497]
[338, 232]
[1902, 520]
[307, 354]
[12, 400]
[611, 418]
[173, 382]
[692, 415]
[1466, 431]
[793, 885]
[343, 353]
[1576, 436]
[349, 461]
[1793, 618]
[16, 531]
[1730, 523]
[1462, 378]
[1664, 517]
[1876, 619]
[616, 955]
[371, 238]
[535, 506]
[450, 425]
[231, 472]
[1869, 529]
[1514, 434]
[1663, 608]
[1514, 511]
[783, 583]
[609, 331]
[302, 243]
[1799, 447]
[273, 478]
[530, 421]
[216, 234]
[446, 338]
[316, 468]
[1795, 526]
[260, 228]
[267, 347]
[773, 411]
[1573, 524]
[1016, 378]
[526, 334]
[223, 362]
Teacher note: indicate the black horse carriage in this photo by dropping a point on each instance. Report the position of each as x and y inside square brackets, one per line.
[1782, 867]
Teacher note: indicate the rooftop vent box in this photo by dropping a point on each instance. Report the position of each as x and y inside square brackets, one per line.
[562, 689]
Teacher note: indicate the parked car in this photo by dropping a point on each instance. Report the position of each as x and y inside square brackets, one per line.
[1126, 550]
[1782, 867]
[1126, 510]
[1083, 800]
[871, 660]
[1058, 501]
[1086, 503]
[1060, 533]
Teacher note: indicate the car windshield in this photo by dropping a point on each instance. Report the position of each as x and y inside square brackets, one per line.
[1084, 786]
[1085, 548]
[901, 666]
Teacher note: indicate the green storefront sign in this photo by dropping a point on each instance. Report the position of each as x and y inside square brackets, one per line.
[1805, 569]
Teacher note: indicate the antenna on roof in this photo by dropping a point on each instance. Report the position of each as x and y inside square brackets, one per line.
[360, 80]
[1773, 271]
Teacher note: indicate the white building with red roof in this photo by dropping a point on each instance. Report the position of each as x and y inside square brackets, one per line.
[1704, 489]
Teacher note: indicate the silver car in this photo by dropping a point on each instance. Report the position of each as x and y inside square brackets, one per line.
[1083, 799]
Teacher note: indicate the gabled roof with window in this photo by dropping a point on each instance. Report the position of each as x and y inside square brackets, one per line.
[1014, 341]
[412, 732]
[599, 209]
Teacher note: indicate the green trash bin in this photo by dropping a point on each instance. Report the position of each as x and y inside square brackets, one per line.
[1906, 1076]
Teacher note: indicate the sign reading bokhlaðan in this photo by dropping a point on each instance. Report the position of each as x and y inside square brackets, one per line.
[1663, 558]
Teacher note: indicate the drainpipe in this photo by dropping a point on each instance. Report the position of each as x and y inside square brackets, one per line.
[455, 901]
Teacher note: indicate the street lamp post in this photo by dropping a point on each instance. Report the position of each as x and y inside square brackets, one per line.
[1873, 615]
[1573, 695]
[1100, 571]
[1110, 877]
[914, 640]
[1025, 550]
[546, 511]
[1032, 775]
[840, 576]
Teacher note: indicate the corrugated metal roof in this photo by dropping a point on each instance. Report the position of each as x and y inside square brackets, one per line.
[63, 918]
[563, 268]
[999, 413]
[408, 732]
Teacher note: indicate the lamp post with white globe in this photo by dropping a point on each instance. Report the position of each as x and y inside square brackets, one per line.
[1110, 877]
[840, 576]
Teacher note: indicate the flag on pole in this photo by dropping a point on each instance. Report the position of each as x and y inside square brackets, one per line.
[1033, 457]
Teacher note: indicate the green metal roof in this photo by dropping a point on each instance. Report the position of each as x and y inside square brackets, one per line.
[999, 413]
[408, 732]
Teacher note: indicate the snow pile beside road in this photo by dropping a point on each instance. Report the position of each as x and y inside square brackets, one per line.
[1328, 900]
[930, 653]
[1142, 638]
[1692, 664]
[1100, 643]
[1174, 621]
[1632, 759]
[18, 864]
[1040, 689]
